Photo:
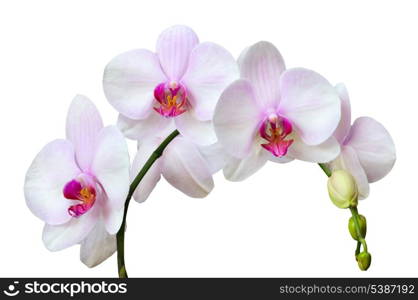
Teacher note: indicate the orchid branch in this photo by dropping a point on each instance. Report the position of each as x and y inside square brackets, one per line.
[363, 258]
[120, 236]
[354, 213]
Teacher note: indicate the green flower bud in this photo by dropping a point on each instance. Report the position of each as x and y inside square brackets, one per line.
[352, 227]
[342, 189]
[364, 259]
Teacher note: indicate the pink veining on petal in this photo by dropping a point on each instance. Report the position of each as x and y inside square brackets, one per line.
[275, 130]
[172, 99]
[83, 191]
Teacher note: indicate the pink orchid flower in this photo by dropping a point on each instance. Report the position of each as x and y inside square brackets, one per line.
[179, 84]
[78, 185]
[275, 114]
[367, 149]
[185, 165]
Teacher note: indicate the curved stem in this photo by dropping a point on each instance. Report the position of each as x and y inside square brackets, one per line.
[120, 236]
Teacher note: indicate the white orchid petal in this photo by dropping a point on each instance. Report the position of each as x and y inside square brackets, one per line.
[237, 118]
[348, 161]
[374, 147]
[51, 169]
[185, 168]
[345, 123]
[153, 175]
[58, 237]
[112, 218]
[281, 160]
[82, 128]
[173, 48]
[129, 81]
[200, 132]
[111, 165]
[262, 64]
[322, 153]
[211, 68]
[215, 155]
[153, 125]
[311, 103]
[240, 169]
[98, 246]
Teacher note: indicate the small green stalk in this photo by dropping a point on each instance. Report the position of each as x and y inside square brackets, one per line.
[326, 170]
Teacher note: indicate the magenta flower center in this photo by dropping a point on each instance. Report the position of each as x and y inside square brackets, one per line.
[275, 130]
[83, 191]
[171, 98]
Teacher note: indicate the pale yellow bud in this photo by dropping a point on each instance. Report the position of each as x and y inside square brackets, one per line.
[342, 189]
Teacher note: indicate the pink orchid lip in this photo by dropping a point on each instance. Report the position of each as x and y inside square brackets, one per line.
[172, 99]
[274, 130]
[83, 191]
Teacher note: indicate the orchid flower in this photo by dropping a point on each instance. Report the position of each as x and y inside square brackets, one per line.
[179, 84]
[275, 114]
[367, 149]
[185, 165]
[78, 185]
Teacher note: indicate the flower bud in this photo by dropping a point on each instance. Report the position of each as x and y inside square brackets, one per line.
[364, 260]
[352, 227]
[342, 189]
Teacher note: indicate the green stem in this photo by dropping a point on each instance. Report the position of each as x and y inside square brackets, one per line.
[358, 248]
[326, 170]
[361, 239]
[120, 236]
[354, 213]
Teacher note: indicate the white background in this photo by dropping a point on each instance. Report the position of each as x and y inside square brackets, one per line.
[279, 222]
